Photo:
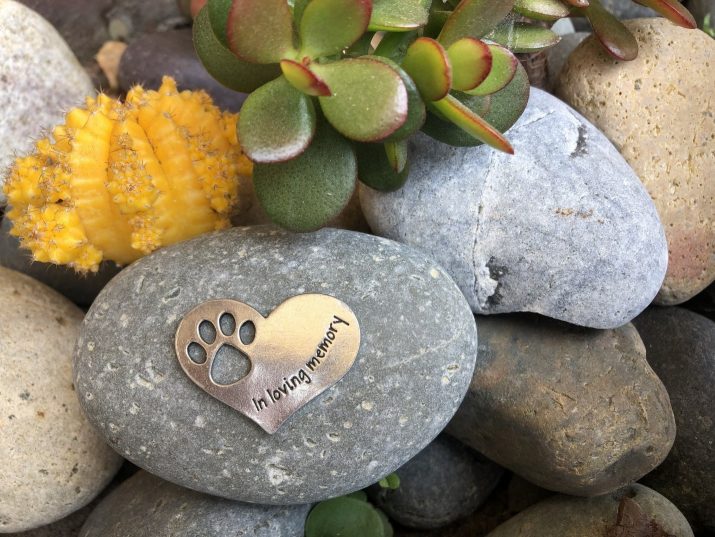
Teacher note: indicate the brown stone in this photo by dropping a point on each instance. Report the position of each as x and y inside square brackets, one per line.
[658, 111]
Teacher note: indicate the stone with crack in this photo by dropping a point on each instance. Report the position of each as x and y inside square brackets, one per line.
[570, 409]
[563, 228]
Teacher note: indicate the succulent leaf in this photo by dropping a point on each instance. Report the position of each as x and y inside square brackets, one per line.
[277, 122]
[223, 65]
[298, 7]
[543, 10]
[577, 3]
[501, 109]
[452, 109]
[672, 10]
[474, 18]
[347, 517]
[303, 79]
[427, 63]
[471, 61]
[383, 166]
[305, 193]
[218, 14]
[503, 69]
[329, 26]
[613, 35]
[260, 31]
[399, 15]
[523, 37]
[369, 101]
[394, 45]
[416, 109]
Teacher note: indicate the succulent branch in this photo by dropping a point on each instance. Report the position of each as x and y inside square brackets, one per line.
[357, 78]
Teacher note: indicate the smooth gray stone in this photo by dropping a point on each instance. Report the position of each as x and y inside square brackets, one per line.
[40, 80]
[681, 349]
[81, 289]
[563, 227]
[171, 53]
[417, 353]
[556, 56]
[145, 505]
[647, 514]
[442, 483]
[570, 409]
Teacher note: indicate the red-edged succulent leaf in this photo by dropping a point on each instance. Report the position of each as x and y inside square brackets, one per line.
[260, 31]
[195, 6]
[464, 118]
[383, 167]
[277, 122]
[613, 35]
[428, 65]
[369, 101]
[471, 61]
[222, 64]
[329, 26]
[303, 79]
[218, 15]
[524, 37]
[504, 65]
[473, 18]
[399, 15]
[672, 10]
[394, 45]
[543, 10]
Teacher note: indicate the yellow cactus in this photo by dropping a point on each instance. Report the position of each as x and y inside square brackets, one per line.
[120, 180]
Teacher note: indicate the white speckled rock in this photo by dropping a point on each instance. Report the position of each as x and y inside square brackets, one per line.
[658, 111]
[416, 358]
[563, 228]
[53, 462]
[40, 80]
[146, 506]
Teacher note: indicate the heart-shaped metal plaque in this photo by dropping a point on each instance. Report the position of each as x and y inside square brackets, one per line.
[301, 349]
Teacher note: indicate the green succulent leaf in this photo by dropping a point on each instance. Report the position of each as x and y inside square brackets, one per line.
[524, 37]
[346, 517]
[542, 10]
[260, 31]
[613, 35]
[504, 65]
[453, 110]
[222, 64]
[399, 15]
[416, 109]
[329, 26]
[427, 63]
[218, 14]
[303, 79]
[672, 10]
[471, 61]
[474, 18]
[369, 101]
[277, 122]
[307, 192]
[501, 109]
[298, 7]
[391, 481]
[383, 166]
[394, 45]
[358, 495]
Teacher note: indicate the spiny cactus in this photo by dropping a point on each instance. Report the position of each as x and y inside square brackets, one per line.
[338, 86]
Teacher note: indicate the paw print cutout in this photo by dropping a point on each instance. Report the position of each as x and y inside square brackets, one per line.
[268, 368]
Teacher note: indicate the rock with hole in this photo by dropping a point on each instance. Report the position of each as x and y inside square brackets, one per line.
[563, 227]
[417, 346]
[570, 409]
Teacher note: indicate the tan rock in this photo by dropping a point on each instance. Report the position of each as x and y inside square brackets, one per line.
[658, 111]
[53, 462]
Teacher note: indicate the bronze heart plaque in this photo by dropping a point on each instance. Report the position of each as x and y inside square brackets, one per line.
[301, 349]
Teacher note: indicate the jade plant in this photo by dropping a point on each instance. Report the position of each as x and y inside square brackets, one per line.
[347, 516]
[338, 86]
